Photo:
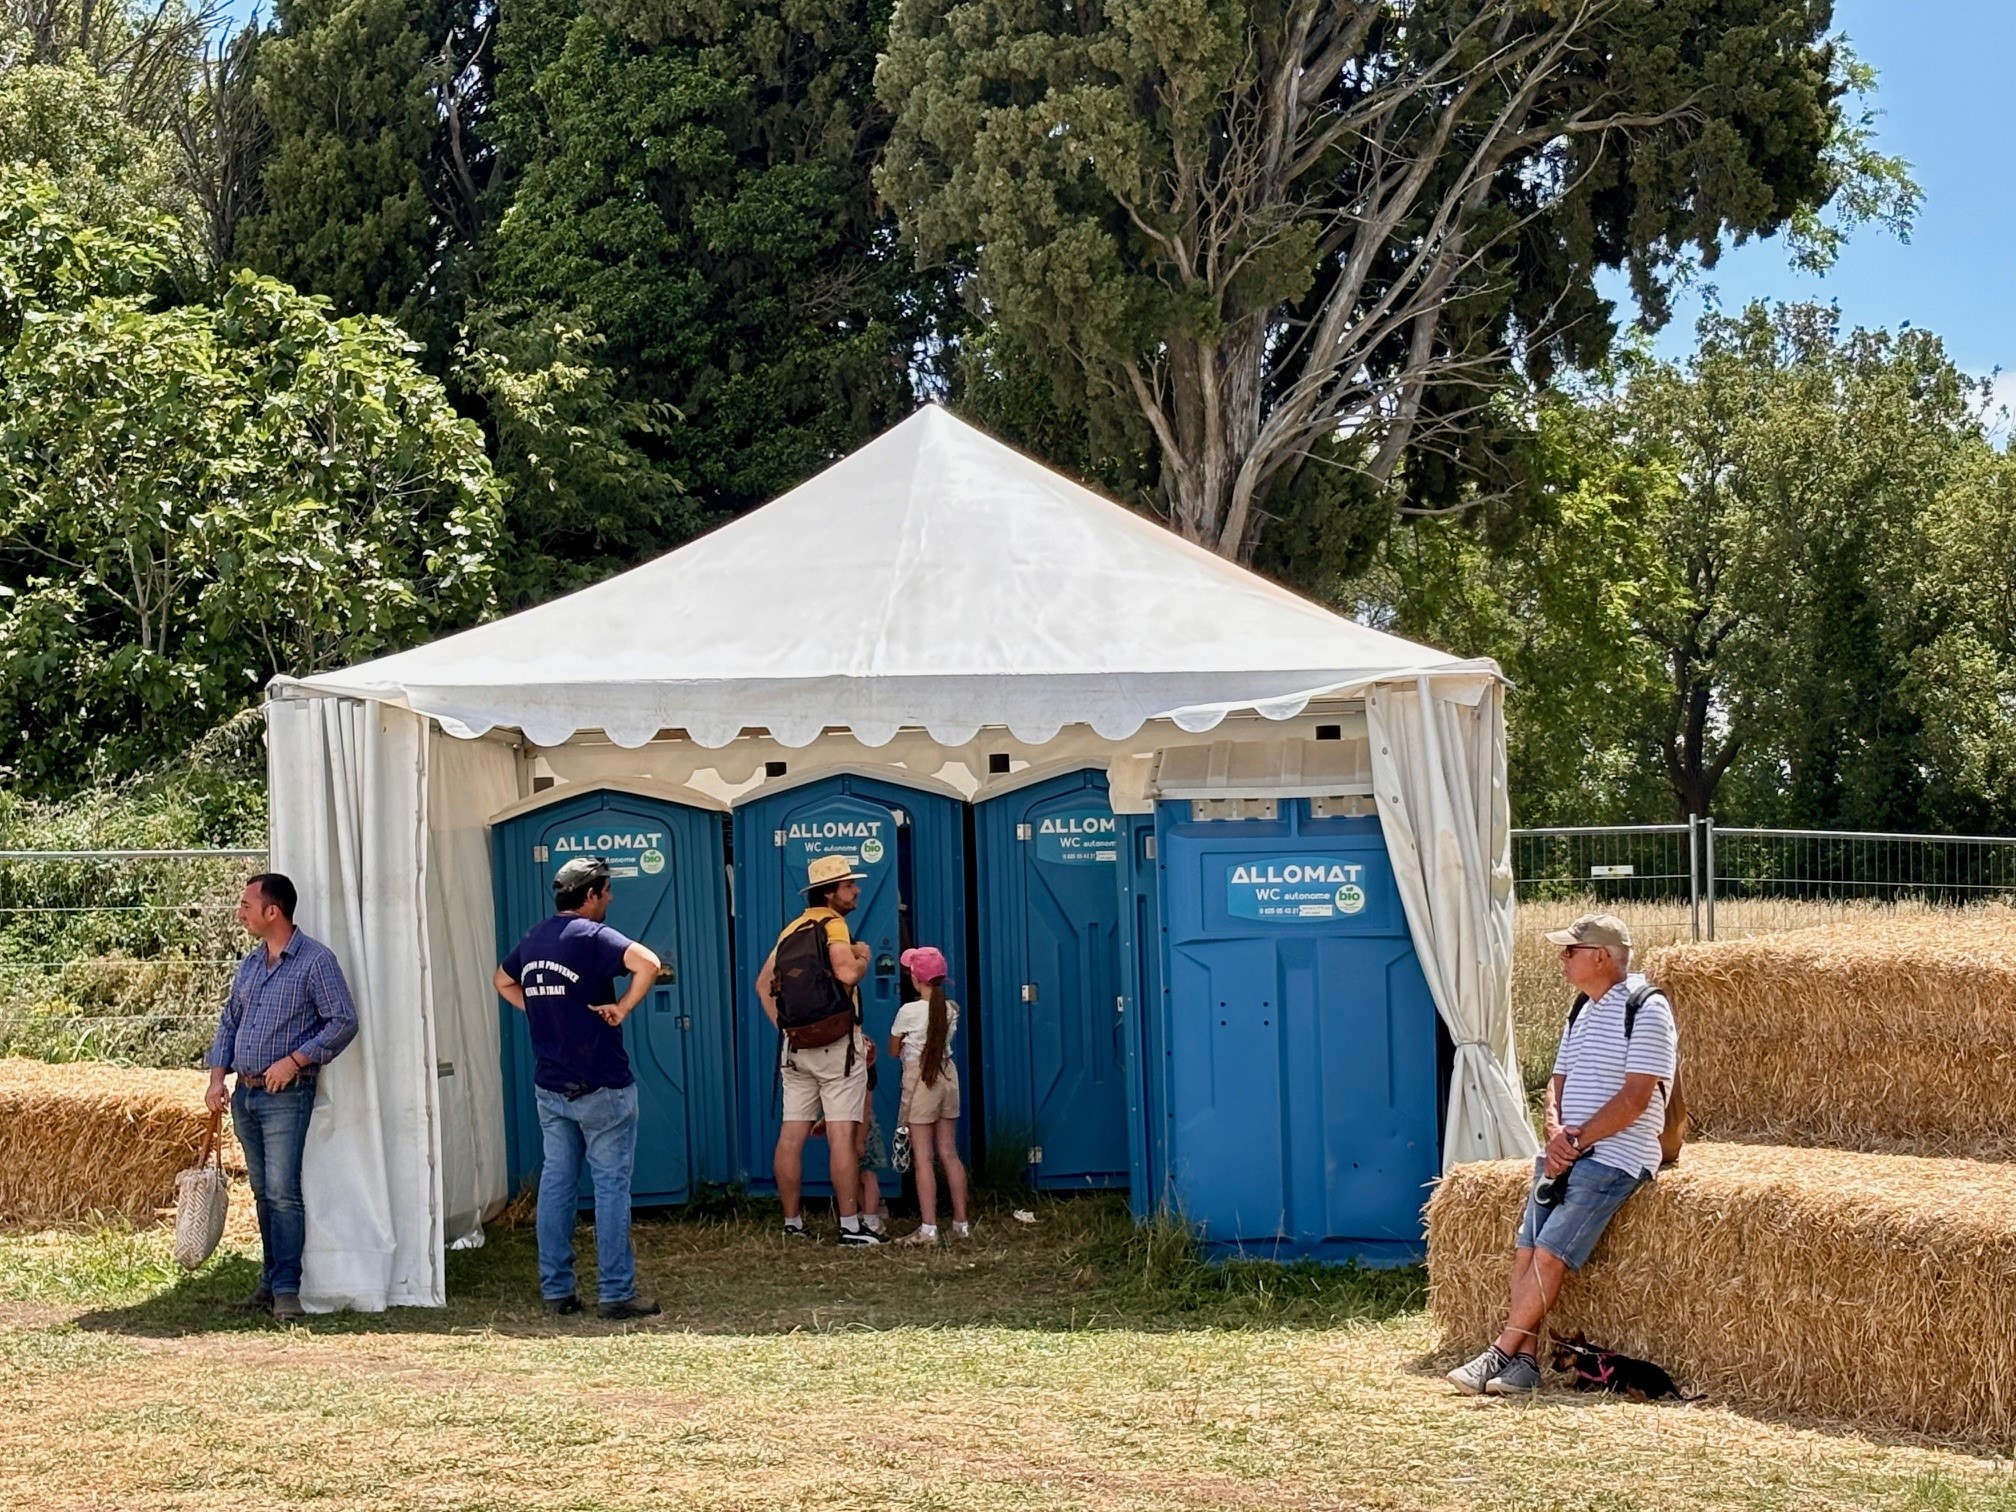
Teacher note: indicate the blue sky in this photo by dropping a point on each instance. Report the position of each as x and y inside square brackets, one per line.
[1947, 72]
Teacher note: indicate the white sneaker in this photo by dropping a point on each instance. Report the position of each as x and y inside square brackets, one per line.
[918, 1236]
[1471, 1379]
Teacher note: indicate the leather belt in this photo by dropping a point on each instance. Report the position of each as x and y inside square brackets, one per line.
[256, 1080]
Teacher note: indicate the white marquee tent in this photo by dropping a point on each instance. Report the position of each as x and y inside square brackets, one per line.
[933, 600]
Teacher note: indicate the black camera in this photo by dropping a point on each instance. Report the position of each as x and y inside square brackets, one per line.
[1549, 1190]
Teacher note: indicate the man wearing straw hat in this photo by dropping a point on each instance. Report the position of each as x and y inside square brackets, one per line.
[289, 1014]
[824, 1078]
[1606, 1106]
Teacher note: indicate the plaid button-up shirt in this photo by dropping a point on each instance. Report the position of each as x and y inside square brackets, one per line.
[298, 1003]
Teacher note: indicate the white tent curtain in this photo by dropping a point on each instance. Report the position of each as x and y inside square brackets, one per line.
[348, 783]
[1438, 767]
[468, 780]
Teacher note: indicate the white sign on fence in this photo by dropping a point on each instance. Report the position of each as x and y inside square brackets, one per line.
[1613, 871]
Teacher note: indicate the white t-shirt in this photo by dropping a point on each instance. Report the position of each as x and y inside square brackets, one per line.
[1594, 1060]
[912, 1025]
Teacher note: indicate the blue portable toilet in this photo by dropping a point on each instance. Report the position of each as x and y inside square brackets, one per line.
[911, 841]
[1291, 1072]
[669, 878]
[1053, 1058]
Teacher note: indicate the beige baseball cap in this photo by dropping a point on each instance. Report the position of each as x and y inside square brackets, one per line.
[825, 870]
[1594, 929]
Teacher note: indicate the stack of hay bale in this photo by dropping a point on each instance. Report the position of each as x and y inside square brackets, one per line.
[84, 1140]
[1846, 1244]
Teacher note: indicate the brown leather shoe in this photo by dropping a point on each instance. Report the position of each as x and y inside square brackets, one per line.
[287, 1307]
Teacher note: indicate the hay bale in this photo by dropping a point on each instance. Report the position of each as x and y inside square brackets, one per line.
[1873, 1288]
[1897, 1037]
[82, 1139]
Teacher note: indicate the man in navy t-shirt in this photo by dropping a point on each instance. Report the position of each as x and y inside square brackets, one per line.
[563, 975]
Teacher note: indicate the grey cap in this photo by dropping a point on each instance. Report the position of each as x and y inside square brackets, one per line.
[1594, 929]
[578, 872]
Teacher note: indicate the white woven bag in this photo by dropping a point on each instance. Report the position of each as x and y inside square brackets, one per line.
[201, 1201]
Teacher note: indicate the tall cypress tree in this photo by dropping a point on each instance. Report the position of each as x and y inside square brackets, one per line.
[377, 155]
[690, 184]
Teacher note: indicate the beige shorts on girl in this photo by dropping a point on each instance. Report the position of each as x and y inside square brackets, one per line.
[922, 1104]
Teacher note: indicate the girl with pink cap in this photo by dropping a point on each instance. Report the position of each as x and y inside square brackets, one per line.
[921, 1037]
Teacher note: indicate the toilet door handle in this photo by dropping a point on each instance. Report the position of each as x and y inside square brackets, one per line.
[666, 975]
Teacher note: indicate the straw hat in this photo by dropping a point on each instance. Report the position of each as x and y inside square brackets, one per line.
[826, 870]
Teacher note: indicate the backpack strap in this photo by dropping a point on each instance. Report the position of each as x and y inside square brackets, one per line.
[1633, 1003]
[1575, 1011]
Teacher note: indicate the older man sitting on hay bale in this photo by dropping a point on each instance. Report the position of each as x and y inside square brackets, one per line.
[1606, 1110]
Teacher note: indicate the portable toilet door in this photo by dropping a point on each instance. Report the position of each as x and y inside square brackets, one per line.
[1054, 1057]
[1301, 1041]
[668, 890]
[911, 842]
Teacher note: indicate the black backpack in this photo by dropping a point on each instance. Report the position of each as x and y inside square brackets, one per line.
[1673, 1134]
[813, 1006]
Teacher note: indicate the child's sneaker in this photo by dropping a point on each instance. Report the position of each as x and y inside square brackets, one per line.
[856, 1238]
[920, 1235]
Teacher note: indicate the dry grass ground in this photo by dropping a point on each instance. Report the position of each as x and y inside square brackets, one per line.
[1071, 1364]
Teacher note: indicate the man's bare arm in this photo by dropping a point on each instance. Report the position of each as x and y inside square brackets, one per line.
[763, 993]
[508, 988]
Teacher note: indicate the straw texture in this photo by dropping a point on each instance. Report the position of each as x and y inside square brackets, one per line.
[82, 1140]
[1873, 1288]
[1900, 1039]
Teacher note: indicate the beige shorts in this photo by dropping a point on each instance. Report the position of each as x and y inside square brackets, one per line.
[817, 1084]
[922, 1104]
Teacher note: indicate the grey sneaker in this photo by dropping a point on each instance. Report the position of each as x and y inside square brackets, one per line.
[1471, 1379]
[1520, 1377]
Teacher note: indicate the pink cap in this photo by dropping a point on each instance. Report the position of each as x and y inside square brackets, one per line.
[925, 963]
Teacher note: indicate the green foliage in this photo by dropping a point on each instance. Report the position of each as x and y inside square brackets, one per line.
[1773, 583]
[195, 498]
[1256, 228]
[688, 197]
[70, 123]
[368, 192]
[128, 960]
[572, 451]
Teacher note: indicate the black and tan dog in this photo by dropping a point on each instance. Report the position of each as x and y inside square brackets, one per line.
[1596, 1369]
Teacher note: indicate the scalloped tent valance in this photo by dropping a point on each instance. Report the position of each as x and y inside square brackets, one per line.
[935, 579]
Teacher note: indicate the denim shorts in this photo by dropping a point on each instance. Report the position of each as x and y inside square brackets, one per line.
[1569, 1229]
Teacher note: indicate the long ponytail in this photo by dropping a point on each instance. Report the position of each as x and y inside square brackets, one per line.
[936, 1033]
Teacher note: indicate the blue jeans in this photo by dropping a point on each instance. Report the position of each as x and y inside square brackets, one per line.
[602, 1126]
[1569, 1229]
[272, 1129]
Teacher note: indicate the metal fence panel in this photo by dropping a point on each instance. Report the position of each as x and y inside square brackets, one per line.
[118, 954]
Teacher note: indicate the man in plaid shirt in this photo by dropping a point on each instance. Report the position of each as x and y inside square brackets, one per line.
[289, 1015]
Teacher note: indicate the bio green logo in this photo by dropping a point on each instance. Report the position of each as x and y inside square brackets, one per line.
[871, 850]
[652, 862]
[1350, 898]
